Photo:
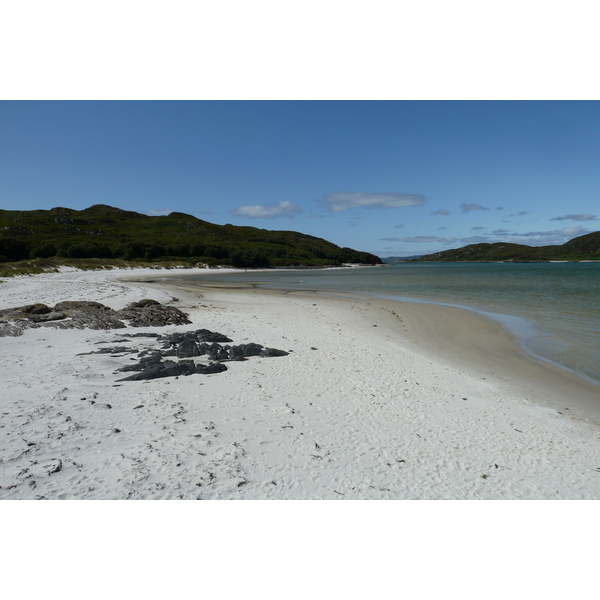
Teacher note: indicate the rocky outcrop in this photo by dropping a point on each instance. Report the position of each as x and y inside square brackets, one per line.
[89, 315]
[182, 353]
[24, 312]
[153, 367]
[14, 329]
[150, 313]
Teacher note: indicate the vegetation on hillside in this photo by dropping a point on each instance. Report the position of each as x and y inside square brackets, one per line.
[112, 234]
[585, 247]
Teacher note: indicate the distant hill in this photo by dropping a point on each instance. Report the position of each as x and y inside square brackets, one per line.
[585, 247]
[391, 259]
[106, 232]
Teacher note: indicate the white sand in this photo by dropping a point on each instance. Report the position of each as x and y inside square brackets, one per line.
[432, 403]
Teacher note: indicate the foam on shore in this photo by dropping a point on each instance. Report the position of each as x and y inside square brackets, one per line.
[377, 399]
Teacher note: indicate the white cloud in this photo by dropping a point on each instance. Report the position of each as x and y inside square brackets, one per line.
[533, 238]
[267, 211]
[158, 213]
[442, 211]
[342, 201]
[465, 208]
[422, 239]
[552, 238]
[567, 231]
[475, 239]
[583, 217]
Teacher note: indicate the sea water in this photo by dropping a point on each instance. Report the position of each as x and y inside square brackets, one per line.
[553, 308]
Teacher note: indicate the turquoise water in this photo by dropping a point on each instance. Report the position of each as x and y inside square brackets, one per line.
[557, 304]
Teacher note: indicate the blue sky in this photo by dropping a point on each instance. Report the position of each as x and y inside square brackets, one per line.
[390, 177]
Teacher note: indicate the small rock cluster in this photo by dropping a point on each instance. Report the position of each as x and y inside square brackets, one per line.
[90, 315]
[178, 353]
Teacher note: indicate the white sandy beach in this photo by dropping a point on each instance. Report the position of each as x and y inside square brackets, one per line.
[376, 400]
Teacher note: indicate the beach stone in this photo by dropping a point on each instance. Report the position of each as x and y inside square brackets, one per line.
[15, 328]
[268, 352]
[70, 305]
[251, 349]
[236, 352]
[34, 309]
[153, 371]
[201, 337]
[89, 315]
[146, 302]
[115, 350]
[187, 367]
[208, 369]
[140, 335]
[37, 309]
[150, 313]
[204, 335]
[146, 362]
[112, 350]
[170, 369]
[44, 318]
[24, 312]
[187, 348]
[223, 354]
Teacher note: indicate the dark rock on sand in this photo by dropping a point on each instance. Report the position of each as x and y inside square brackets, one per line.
[112, 350]
[200, 336]
[186, 345]
[13, 321]
[250, 349]
[268, 352]
[79, 314]
[150, 313]
[140, 335]
[144, 363]
[169, 368]
[187, 348]
[204, 335]
[214, 368]
[37, 309]
[88, 315]
[14, 329]
[24, 312]
[45, 318]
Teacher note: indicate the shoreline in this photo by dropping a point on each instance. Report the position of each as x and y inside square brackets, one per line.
[522, 329]
[545, 340]
[512, 355]
[376, 400]
[468, 338]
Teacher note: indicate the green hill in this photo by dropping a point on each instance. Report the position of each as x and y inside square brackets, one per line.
[585, 247]
[104, 232]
